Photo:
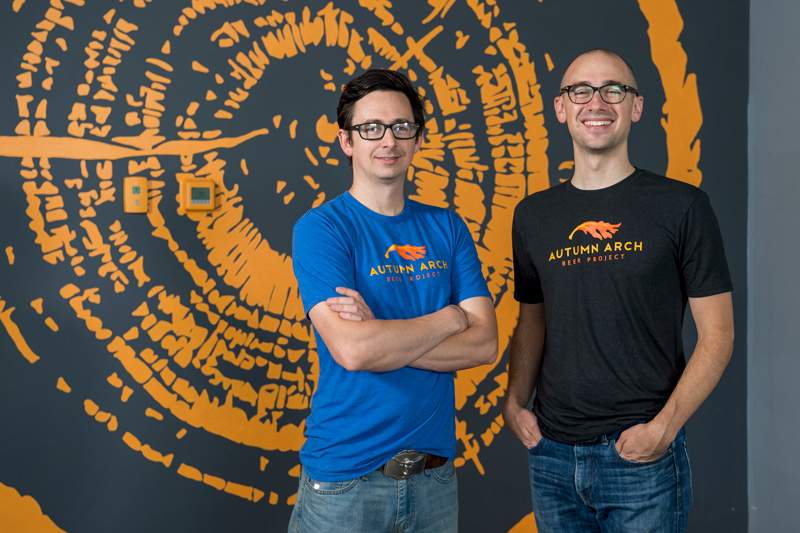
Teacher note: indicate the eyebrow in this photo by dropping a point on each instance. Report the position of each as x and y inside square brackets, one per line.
[606, 82]
[376, 121]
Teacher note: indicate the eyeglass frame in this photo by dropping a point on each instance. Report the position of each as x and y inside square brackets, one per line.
[386, 127]
[594, 89]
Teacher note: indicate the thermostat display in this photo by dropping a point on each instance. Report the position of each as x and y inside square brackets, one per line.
[197, 194]
[201, 195]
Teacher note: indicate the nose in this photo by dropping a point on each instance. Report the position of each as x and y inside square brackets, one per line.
[596, 101]
[389, 138]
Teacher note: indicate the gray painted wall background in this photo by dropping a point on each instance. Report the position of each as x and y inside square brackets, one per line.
[716, 39]
[773, 258]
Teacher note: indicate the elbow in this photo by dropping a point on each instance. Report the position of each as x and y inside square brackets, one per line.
[730, 345]
[726, 343]
[721, 345]
[350, 356]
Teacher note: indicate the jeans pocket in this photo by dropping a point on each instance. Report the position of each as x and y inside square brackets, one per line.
[536, 446]
[445, 473]
[330, 487]
[667, 453]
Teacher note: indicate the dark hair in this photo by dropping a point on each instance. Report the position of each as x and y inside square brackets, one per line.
[378, 80]
[606, 52]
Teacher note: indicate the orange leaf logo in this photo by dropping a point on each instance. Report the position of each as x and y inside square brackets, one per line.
[407, 251]
[599, 230]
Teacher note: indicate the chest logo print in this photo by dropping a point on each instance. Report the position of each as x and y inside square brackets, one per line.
[413, 269]
[595, 252]
[407, 251]
[599, 230]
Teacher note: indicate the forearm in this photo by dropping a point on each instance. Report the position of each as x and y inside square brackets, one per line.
[475, 346]
[700, 377]
[385, 345]
[525, 355]
[524, 358]
[714, 318]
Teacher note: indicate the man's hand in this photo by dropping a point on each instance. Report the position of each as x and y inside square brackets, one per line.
[643, 443]
[350, 306]
[523, 423]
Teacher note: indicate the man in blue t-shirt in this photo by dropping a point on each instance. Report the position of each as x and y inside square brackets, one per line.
[398, 301]
[604, 265]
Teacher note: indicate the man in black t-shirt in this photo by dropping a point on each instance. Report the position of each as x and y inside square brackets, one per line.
[604, 265]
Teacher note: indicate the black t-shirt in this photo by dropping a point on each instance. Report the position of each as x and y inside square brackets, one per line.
[614, 268]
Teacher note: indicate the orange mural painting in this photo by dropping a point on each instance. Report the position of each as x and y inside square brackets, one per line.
[198, 312]
[22, 513]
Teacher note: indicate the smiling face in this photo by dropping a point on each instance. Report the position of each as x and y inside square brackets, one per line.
[384, 161]
[597, 127]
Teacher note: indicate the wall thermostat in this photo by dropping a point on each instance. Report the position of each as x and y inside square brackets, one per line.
[135, 194]
[197, 194]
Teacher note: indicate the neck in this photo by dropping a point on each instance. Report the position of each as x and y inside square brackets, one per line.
[387, 200]
[598, 171]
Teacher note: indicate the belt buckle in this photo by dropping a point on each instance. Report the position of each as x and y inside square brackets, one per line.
[405, 464]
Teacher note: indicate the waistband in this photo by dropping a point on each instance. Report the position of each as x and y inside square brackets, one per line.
[614, 435]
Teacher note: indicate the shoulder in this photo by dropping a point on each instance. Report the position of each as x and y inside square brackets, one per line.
[438, 215]
[331, 222]
[419, 208]
[541, 199]
[331, 208]
[324, 214]
[657, 184]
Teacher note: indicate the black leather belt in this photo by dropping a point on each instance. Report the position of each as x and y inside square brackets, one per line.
[409, 463]
[614, 435]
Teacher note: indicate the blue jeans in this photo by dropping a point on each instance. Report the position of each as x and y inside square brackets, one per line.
[591, 488]
[374, 503]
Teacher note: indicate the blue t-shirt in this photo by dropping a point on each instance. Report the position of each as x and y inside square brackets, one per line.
[404, 266]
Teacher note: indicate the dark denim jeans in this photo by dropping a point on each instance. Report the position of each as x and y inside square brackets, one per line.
[590, 487]
[425, 503]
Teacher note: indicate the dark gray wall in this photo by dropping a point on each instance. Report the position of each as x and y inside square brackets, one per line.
[773, 259]
[719, 482]
[82, 474]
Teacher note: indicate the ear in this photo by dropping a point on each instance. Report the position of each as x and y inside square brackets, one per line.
[561, 113]
[346, 142]
[636, 112]
[419, 140]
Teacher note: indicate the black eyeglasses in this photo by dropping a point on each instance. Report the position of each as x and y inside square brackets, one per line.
[611, 94]
[373, 131]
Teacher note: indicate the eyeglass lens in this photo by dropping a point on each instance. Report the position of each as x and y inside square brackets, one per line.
[400, 130]
[611, 94]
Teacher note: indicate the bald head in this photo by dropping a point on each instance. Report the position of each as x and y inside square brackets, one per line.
[587, 57]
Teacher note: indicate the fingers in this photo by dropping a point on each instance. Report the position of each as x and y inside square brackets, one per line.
[350, 305]
[350, 293]
[350, 316]
[530, 435]
[342, 304]
[523, 424]
[348, 311]
[639, 445]
[349, 297]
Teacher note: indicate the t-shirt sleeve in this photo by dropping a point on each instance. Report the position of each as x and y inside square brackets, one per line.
[322, 259]
[703, 261]
[527, 286]
[467, 280]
